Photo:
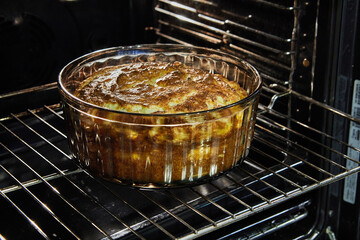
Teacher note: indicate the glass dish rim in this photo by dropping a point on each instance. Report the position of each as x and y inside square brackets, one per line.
[73, 98]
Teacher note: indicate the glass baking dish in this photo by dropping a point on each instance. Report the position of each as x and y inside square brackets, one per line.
[159, 150]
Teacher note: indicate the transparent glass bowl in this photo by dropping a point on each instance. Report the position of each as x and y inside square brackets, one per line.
[159, 150]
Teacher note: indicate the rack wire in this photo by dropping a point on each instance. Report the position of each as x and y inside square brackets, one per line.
[48, 190]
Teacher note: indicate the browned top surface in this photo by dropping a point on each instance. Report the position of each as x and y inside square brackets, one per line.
[158, 87]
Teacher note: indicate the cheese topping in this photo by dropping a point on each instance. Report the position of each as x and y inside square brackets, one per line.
[158, 87]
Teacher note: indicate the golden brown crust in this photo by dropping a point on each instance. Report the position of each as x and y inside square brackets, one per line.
[158, 87]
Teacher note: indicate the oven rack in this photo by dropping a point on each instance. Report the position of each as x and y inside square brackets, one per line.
[202, 23]
[43, 187]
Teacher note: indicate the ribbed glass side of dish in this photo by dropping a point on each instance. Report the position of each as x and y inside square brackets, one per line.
[152, 150]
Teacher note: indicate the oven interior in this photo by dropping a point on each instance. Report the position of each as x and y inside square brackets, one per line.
[299, 156]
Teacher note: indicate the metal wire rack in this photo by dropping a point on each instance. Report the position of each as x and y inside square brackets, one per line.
[214, 24]
[44, 188]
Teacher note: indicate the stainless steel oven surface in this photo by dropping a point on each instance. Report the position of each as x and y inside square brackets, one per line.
[299, 180]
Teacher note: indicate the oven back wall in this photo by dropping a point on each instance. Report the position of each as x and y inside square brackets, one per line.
[37, 38]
